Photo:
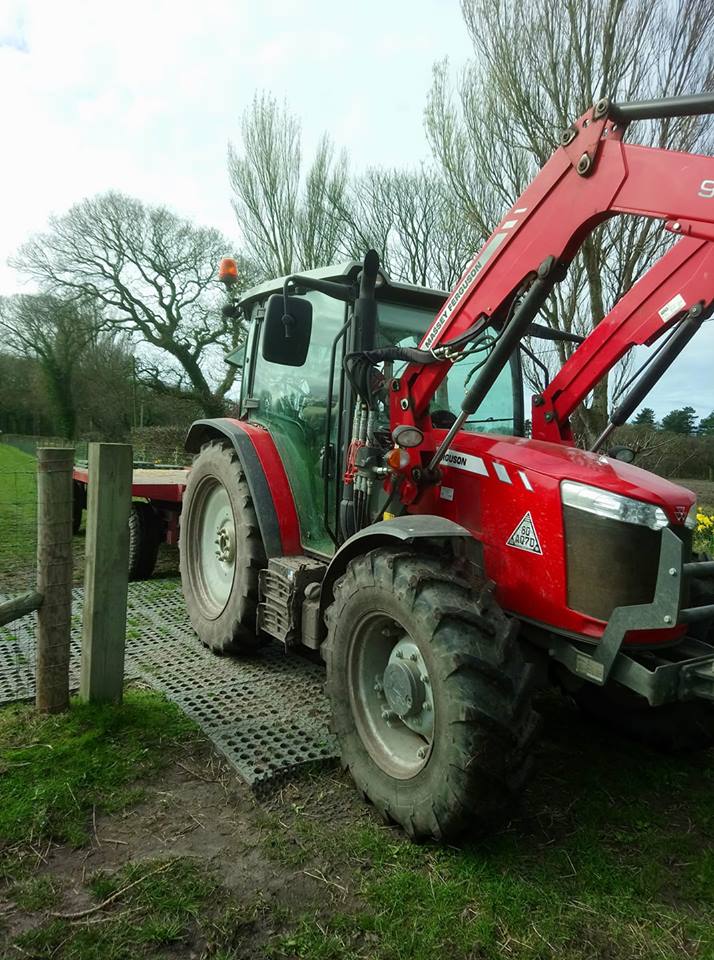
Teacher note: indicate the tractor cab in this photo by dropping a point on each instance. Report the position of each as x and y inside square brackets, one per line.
[294, 386]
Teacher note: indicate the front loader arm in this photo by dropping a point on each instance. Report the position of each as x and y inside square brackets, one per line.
[681, 279]
[593, 176]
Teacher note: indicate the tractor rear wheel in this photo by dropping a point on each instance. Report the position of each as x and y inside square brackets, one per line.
[430, 694]
[220, 550]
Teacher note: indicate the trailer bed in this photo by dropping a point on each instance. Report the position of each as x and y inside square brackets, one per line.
[157, 484]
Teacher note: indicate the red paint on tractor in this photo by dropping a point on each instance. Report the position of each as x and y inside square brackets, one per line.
[498, 480]
[278, 482]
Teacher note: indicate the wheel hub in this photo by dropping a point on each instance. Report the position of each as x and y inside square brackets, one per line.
[225, 544]
[405, 687]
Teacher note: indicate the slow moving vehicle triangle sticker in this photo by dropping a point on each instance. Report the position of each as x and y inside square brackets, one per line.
[524, 537]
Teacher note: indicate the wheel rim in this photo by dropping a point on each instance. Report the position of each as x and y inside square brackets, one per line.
[391, 696]
[213, 545]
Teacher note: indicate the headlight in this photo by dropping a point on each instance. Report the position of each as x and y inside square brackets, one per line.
[691, 521]
[612, 506]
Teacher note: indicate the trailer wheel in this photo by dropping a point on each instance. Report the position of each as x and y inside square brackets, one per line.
[221, 551]
[430, 695]
[144, 540]
[79, 503]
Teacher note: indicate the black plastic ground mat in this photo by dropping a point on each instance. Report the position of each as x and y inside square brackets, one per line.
[266, 712]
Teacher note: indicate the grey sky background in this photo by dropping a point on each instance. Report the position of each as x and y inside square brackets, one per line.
[143, 97]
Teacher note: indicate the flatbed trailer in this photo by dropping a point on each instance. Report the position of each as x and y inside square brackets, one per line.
[157, 495]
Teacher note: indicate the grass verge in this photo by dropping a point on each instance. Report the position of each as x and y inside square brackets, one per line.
[611, 856]
[56, 771]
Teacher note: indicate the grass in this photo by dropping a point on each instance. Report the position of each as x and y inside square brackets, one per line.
[611, 857]
[18, 527]
[160, 905]
[18, 498]
[56, 774]
[56, 770]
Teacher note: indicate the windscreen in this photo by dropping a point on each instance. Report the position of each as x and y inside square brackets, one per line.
[405, 326]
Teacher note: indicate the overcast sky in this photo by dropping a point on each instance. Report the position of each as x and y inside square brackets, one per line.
[143, 97]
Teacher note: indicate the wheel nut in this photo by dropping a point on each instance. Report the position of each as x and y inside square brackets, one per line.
[424, 678]
[421, 752]
[427, 706]
[400, 654]
[413, 657]
[378, 687]
[388, 715]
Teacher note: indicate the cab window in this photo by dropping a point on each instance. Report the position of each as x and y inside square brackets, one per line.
[404, 326]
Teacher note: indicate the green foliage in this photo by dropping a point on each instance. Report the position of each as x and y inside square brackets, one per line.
[646, 417]
[706, 426]
[680, 421]
[668, 454]
[54, 770]
[163, 444]
[704, 533]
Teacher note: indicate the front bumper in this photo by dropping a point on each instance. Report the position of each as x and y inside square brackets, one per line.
[681, 672]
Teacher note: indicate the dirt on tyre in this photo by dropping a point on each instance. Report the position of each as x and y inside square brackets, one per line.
[144, 540]
[430, 694]
[220, 551]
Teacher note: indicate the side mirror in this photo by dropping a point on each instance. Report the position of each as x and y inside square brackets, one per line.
[286, 334]
[626, 454]
[237, 357]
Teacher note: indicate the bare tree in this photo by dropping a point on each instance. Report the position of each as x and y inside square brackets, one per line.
[153, 274]
[538, 65]
[409, 217]
[58, 334]
[286, 220]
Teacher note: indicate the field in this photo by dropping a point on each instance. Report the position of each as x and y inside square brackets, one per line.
[18, 526]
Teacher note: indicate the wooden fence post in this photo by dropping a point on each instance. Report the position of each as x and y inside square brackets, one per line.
[106, 572]
[54, 576]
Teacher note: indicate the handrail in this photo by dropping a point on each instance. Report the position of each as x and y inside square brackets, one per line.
[19, 606]
[692, 105]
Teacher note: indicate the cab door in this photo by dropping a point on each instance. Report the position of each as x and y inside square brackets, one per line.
[292, 403]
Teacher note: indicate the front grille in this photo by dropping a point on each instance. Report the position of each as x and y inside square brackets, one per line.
[610, 563]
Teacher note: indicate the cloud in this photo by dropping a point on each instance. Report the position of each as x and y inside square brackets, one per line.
[12, 28]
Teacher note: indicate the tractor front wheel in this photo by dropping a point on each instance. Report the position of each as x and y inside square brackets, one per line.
[430, 694]
[220, 550]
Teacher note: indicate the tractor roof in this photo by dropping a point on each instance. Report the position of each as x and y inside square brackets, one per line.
[347, 272]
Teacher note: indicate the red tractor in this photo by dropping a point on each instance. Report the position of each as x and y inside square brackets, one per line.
[376, 499]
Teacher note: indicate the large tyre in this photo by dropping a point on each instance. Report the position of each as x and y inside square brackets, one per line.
[430, 694]
[144, 540]
[221, 551]
[673, 727]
